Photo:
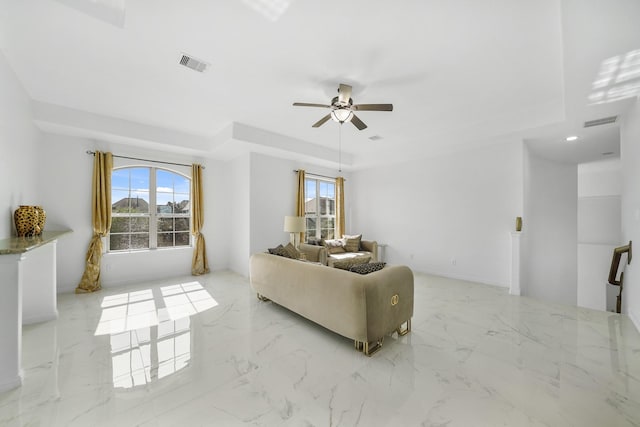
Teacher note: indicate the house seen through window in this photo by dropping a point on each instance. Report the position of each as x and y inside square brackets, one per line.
[320, 208]
[151, 208]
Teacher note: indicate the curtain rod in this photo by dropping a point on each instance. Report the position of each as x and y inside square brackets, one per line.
[93, 153]
[317, 174]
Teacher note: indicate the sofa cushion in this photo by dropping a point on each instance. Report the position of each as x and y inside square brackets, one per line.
[352, 243]
[347, 264]
[367, 268]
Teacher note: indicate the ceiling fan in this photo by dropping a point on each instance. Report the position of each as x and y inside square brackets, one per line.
[342, 108]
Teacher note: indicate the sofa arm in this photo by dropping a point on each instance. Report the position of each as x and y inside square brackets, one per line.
[314, 253]
[370, 246]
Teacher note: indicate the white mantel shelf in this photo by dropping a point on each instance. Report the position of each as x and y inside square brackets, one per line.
[18, 245]
[28, 284]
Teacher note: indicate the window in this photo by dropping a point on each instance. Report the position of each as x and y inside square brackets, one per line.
[320, 208]
[151, 208]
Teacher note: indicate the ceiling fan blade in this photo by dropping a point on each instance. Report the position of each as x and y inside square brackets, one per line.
[321, 121]
[358, 123]
[306, 104]
[344, 93]
[373, 107]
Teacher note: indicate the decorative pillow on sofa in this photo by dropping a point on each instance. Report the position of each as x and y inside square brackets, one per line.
[334, 246]
[368, 268]
[352, 243]
[292, 251]
[346, 265]
[280, 251]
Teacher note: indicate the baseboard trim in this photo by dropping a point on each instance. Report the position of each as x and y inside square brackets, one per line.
[466, 278]
[11, 384]
[40, 318]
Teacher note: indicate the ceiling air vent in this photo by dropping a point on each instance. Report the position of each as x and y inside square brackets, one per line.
[600, 122]
[193, 63]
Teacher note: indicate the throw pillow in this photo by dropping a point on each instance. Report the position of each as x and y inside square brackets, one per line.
[334, 246]
[368, 268]
[292, 251]
[335, 249]
[347, 264]
[352, 243]
[279, 251]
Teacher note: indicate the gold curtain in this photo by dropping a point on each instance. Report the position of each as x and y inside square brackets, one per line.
[199, 264]
[300, 201]
[339, 207]
[101, 218]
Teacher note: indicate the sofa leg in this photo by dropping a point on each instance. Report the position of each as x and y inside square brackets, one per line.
[404, 332]
[262, 298]
[369, 348]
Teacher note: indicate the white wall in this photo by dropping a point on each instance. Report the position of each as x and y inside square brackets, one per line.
[65, 193]
[238, 179]
[273, 188]
[551, 235]
[630, 155]
[19, 155]
[599, 231]
[264, 190]
[459, 207]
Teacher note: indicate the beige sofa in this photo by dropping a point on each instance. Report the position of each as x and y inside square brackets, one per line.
[320, 254]
[363, 307]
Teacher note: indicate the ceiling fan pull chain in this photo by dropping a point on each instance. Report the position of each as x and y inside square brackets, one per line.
[340, 148]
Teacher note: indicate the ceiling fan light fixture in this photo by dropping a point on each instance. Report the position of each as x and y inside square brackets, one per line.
[341, 115]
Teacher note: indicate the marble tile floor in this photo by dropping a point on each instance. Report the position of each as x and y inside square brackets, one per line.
[204, 351]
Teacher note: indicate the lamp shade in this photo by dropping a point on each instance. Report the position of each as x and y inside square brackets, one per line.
[294, 224]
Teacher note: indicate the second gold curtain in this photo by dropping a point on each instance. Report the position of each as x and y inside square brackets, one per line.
[339, 207]
[199, 263]
[300, 199]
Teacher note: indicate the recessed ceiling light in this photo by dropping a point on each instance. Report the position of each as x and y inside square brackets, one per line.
[571, 138]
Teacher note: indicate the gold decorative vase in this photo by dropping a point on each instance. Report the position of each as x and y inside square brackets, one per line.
[29, 220]
[42, 218]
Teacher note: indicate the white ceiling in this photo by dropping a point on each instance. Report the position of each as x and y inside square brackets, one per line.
[460, 73]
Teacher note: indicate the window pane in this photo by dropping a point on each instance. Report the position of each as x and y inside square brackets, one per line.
[165, 224]
[121, 242]
[327, 228]
[136, 203]
[119, 224]
[165, 240]
[182, 239]
[120, 179]
[140, 224]
[311, 227]
[140, 241]
[118, 242]
[324, 189]
[182, 205]
[182, 224]
[309, 188]
[170, 182]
